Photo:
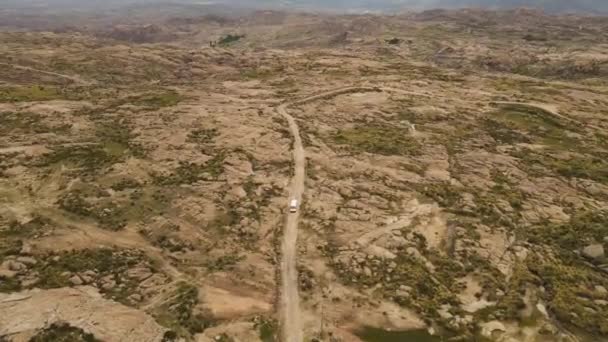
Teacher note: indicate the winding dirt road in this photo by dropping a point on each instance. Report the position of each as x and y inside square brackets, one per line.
[291, 322]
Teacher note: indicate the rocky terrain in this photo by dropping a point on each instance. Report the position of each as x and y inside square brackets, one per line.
[456, 176]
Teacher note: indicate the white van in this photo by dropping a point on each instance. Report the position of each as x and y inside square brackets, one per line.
[293, 206]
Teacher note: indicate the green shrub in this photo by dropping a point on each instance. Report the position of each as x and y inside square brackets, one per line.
[230, 38]
[268, 329]
[203, 136]
[63, 332]
[125, 183]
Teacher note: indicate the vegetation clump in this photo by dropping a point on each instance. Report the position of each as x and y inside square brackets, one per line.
[109, 215]
[27, 123]
[31, 93]
[267, 328]
[384, 140]
[182, 315]
[230, 38]
[189, 173]
[63, 332]
[167, 98]
[203, 136]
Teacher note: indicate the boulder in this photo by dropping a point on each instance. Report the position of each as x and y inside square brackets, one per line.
[6, 273]
[75, 280]
[594, 251]
[108, 285]
[135, 298]
[488, 328]
[27, 260]
[600, 290]
[140, 273]
[16, 266]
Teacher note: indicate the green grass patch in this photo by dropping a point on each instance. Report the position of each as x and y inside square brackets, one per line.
[427, 293]
[28, 123]
[27, 94]
[167, 98]
[582, 229]
[593, 166]
[189, 173]
[381, 140]
[114, 142]
[53, 269]
[89, 158]
[182, 315]
[114, 215]
[514, 122]
[445, 194]
[117, 139]
[569, 284]
[268, 329]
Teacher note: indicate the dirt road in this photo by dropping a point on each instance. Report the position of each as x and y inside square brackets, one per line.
[291, 322]
[290, 299]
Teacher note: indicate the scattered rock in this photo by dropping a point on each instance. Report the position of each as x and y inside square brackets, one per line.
[600, 290]
[75, 280]
[87, 279]
[136, 298]
[108, 285]
[239, 192]
[488, 328]
[548, 329]
[594, 251]
[444, 312]
[26, 249]
[90, 273]
[108, 282]
[140, 273]
[30, 281]
[6, 273]
[27, 260]
[16, 266]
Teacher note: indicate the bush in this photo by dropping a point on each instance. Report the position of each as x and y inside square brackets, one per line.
[230, 38]
[63, 332]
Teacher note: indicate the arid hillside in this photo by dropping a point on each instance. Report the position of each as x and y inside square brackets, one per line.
[456, 176]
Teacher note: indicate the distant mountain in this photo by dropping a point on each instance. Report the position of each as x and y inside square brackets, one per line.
[383, 5]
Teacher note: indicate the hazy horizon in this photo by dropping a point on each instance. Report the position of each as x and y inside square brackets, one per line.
[590, 6]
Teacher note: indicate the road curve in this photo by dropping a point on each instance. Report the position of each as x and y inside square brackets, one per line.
[291, 321]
